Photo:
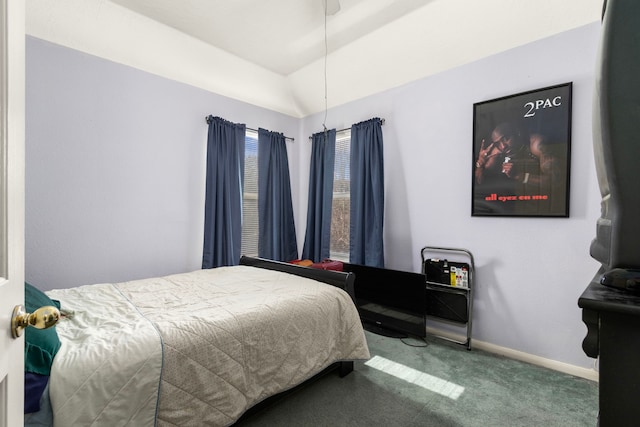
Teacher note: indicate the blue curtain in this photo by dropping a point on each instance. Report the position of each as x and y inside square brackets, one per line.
[277, 232]
[366, 245]
[223, 198]
[317, 238]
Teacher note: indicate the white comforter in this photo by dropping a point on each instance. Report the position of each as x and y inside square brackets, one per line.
[199, 348]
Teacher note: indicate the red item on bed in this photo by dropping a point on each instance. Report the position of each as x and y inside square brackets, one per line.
[328, 264]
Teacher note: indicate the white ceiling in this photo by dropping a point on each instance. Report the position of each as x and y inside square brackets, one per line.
[279, 35]
[271, 53]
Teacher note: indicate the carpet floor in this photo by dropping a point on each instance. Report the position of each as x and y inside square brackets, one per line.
[436, 383]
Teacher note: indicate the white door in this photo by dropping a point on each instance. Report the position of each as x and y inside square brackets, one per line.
[12, 39]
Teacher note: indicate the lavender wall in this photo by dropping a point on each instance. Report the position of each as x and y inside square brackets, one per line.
[115, 172]
[115, 168]
[530, 271]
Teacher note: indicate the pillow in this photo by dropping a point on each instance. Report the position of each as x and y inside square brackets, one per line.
[34, 388]
[302, 262]
[41, 345]
[44, 416]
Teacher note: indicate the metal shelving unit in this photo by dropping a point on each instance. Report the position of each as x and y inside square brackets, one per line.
[450, 284]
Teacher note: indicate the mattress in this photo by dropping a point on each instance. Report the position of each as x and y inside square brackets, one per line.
[197, 348]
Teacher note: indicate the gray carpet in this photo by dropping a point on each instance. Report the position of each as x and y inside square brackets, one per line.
[438, 384]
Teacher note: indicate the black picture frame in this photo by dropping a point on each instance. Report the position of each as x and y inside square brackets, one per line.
[521, 154]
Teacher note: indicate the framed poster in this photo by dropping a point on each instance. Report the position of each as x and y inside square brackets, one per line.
[521, 154]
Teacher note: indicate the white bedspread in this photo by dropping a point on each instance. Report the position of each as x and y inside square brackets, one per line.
[107, 371]
[231, 337]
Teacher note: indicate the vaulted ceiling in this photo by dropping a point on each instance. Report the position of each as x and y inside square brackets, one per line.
[282, 36]
[279, 54]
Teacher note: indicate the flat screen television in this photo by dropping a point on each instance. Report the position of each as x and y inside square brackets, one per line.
[390, 302]
[616, 137]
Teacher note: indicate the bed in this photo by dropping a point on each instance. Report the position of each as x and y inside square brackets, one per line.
[199, 348]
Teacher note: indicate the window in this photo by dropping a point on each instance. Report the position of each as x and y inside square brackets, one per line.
[341, 205]
[249, 244]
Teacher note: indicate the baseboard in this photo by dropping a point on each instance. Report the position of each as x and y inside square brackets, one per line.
[577, 371]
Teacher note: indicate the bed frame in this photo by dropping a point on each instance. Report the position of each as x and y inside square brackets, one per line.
[342, 280]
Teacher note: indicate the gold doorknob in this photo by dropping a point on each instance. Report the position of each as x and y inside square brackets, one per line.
[43, 318]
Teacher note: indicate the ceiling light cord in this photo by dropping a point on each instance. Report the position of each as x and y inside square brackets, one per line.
[326, 54]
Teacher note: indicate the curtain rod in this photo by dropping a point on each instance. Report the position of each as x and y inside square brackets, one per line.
[286, 137]
[346, 129]
[206, 119]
